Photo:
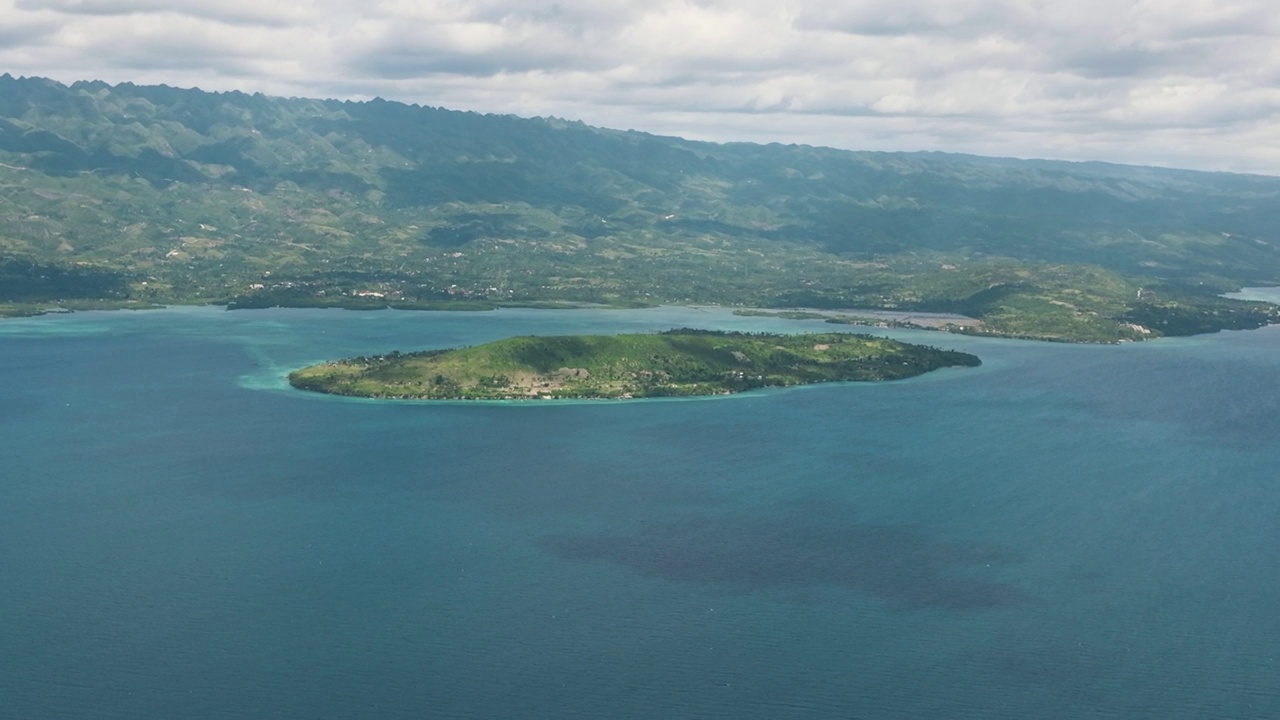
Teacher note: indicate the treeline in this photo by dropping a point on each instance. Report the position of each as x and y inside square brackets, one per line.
[24, 281]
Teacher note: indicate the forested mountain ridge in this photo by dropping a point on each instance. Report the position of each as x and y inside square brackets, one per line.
[157, 194]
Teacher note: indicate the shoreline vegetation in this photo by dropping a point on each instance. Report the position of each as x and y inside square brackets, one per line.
[28, 309]
[1150, 321]
[20, 310]
[867, 317]
[675, 363]
[133, 196]
[1171, 319]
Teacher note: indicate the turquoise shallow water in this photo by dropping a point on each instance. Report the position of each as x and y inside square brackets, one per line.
[1066, 532]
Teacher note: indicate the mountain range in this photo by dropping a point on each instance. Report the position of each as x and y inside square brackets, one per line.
[129, 195]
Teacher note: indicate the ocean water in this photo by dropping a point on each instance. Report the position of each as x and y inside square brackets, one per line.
[1065, 532]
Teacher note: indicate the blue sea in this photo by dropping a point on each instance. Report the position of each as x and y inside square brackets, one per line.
[1065, 532]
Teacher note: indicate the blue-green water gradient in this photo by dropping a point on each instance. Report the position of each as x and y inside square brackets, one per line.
[1065, 532]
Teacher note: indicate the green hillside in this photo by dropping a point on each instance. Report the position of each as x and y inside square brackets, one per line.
[674, 363]
[157, 194]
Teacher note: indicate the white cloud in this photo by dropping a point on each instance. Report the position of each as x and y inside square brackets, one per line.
[1182, 82]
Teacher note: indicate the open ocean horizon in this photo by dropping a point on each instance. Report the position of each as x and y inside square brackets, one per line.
[1068, 531]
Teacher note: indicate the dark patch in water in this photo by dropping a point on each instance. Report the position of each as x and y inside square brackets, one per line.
[895, 563]
[20, 408]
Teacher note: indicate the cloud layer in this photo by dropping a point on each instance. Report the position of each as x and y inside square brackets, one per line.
[1190, 83]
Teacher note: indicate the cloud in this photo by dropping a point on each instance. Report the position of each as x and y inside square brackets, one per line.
[962, 18]
[407, 48]
[233, 12]
[1189, 82]
[24, 32]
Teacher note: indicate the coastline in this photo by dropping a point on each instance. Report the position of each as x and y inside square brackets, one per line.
[871, 318]
[683, 362]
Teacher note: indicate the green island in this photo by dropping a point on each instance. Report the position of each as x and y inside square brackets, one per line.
[675, 363]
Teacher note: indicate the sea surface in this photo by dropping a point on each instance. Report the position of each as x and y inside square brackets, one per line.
[1065, 532]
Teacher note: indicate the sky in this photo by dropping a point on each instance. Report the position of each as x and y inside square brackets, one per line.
[1177, 83]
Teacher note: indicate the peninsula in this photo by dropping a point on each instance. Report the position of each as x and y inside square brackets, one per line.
[682, 362]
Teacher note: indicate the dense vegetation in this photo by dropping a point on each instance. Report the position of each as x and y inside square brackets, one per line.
[131, 194]
[674, 363]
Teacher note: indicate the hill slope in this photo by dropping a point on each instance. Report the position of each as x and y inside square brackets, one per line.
[674, 363]
[163, 194]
